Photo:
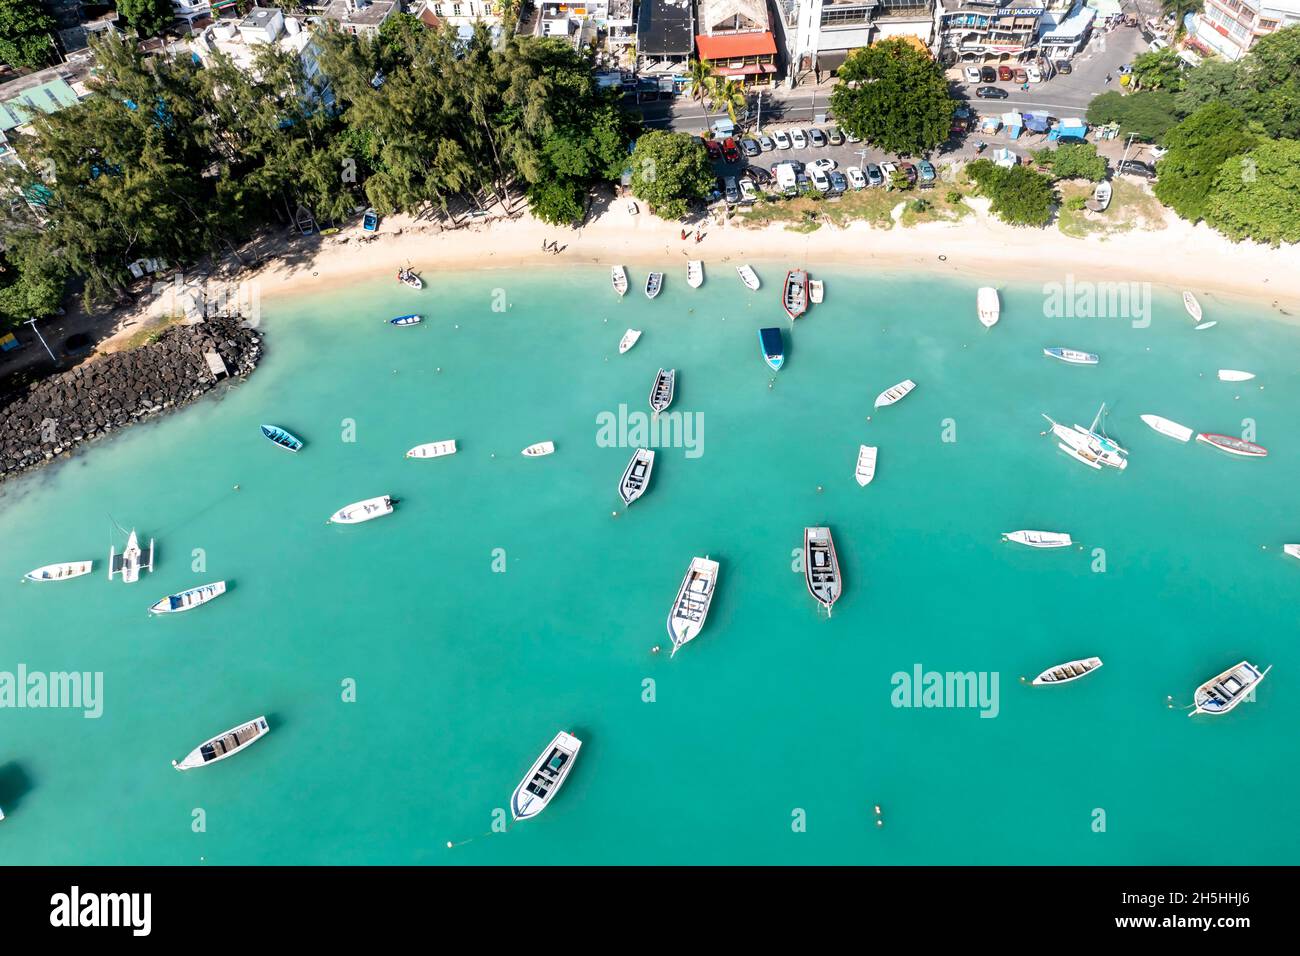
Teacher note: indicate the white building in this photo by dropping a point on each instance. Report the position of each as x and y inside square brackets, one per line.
[1229, 28]
[360, 17]
[463, 13]
[820, 34]
[242, 40]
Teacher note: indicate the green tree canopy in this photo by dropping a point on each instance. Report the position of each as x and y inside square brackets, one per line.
[1073, 161]
[1270, 75]
[1158, 70]
[25, 34]
[148, 18]
[1257, 196]
[895, 97]
[1019, 195]
[32, 278]
[1148, 115]
[669, 170]
[1198, 148]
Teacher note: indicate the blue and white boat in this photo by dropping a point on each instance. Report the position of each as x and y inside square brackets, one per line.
[1073, 356]
[189, 599]
[370, 221]
[406, 320]
[773, 347]
[286, 440]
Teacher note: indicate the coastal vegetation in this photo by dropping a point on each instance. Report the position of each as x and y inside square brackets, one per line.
[894, 96]
[1017, 195]
[669, 171]
[1073, 161]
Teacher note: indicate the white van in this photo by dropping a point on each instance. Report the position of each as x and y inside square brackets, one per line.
[786, 180]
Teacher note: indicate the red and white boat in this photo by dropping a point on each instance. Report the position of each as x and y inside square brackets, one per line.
[1234, 446]
[794, 295]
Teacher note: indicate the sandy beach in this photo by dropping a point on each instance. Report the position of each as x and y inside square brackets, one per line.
[977, 247]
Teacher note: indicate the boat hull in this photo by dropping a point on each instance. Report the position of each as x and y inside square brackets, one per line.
[1168, 428]
[895, 393]
[189, 599]
[59, 572]
[865, 472]
[215, 749]
[773, 347]
[361, 511]
[988, 307]
[433, 449]
[281, 438]
[749, 277]
[694, 598]
[1067, 672]
[1233, 446]
[544, 779]
[821, 567]
[794, 294]
[1223, 692]
[636, 476]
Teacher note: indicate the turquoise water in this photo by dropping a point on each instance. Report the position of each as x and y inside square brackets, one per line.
[772, 735]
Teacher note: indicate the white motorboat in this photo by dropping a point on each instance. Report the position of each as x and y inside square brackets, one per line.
[636, 476]
[691, 608]
[618, 278]
[545, 777]
[1101, 196]
[1088, 445]
[816, 291]
[131, 561]
[1291, 549]
[821, 567]
[189, 599]
[225, 744]
[895, 393]
[628, 340]
[408, 277]
[539, 449]
[1039, 539]
[360, 511]
[653, 283]
[1234, 375]
[1192, 306]
[749, 277]
[60, 572]
[433, 449]
[1166, 427]
[988, 306]
[866, 468]
[661, 393]
[1222, 693]
[1064, 673]
[1072, 356]
[695, 273]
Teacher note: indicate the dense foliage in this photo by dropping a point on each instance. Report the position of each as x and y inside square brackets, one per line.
[148, 18]
[1073, 161]
[669, 171]
[1146, 115]
[1257, 196]
[1019, 195]
[25, 34]
[1198, 148]
[895, 97]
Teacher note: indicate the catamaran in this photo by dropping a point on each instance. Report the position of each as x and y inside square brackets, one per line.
[988, 306]
[1233, 445]
[1234, 375]
[1166, 427]
[1073, 356]
[628, 340]
[686, 619]
[636, 476]
[653, 283]
[1220, 694]
[618, 278]
[773, 347]
[225, 744]
[366, 510]
[539, 449]
[545, 777]
[866, 467]
[279, 436]
[189, 599]
[1088, 445]
[661, 393]
[821, 567]
[749, 277]
[1064, 673]
[131, 561]
[433, 449]
[60, 572]
[895, 393]
[695, 273]
[1039, 539]
[794, 294]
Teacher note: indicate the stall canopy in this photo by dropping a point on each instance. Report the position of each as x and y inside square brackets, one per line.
[1069, 128]
[1004, 157]
[1014, 123]
[990, 124]
[1037, 122]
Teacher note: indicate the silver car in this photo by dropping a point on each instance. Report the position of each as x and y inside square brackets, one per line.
[765, 143]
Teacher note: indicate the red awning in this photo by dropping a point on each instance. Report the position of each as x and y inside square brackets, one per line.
[750, 70]
[727, 46]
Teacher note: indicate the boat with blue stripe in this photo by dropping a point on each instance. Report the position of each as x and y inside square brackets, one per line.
[406, 320]
[286, 440]
[773, 347]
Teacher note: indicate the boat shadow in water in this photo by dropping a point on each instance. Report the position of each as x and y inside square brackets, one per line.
[15, 784]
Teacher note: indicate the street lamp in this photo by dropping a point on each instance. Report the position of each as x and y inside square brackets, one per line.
[32, 323]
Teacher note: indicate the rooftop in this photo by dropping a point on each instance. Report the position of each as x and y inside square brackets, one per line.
[665, 27]
[369, 16]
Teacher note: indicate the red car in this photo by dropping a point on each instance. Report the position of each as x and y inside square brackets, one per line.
[1021, 76]
[910, 172]
[715, 151]
[730, 151]
[1005, 74]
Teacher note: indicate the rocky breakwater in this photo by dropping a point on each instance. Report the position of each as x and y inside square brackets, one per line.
[58, 413]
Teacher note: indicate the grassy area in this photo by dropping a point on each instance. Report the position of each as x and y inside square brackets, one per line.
[148, 332]
[943, 203]
[1130, 208]
[808, 213]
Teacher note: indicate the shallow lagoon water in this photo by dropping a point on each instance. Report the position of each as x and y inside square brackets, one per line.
[769, 738]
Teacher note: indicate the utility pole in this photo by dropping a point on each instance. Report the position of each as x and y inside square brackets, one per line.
[759, 125]
[32, 323]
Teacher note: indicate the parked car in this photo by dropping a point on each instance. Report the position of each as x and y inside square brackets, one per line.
[1063, 67]
[731, 189]
[825, 165]
[972, 74]
[835, 136]
[1005, 74]
[820, 180]
[988, 74]
[766, 144]
[748, 191]
[715, 151]
[1021, 75]
[887, 170]
[802, 182]
[816, 137]
[856, 179]
[756, 173]
[1125, 70]
[750, 147]
[910, 172]
[926, 170]
[838, 183]
[1032, 72]
[1134, 167]
[874, 176]
[730, 151]
[798, 139]
[991, 93]
[781, 139]
[850, 137]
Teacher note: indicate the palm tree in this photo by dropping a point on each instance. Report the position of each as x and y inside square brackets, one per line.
[728, 95]
[700, 77]
[1180, 9]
